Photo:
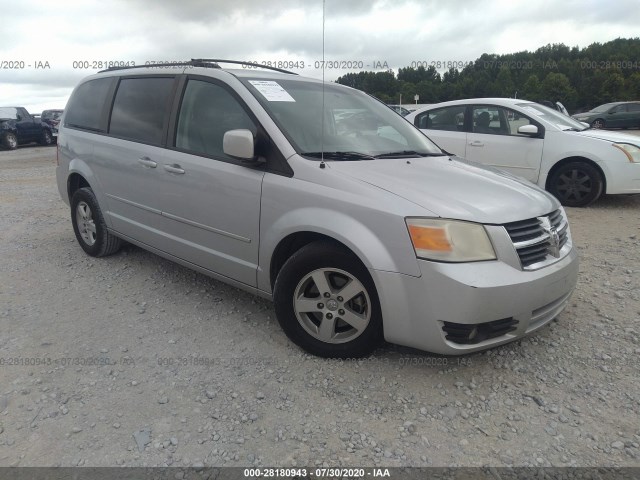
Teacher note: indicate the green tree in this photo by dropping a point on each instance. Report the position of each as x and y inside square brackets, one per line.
[556, 87]
[632, 87]
[531, 88]
[612, 88]
[503, 86]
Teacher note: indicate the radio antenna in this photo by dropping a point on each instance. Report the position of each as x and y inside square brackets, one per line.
[322, 113]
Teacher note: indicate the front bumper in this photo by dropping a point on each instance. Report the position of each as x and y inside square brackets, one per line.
[415, 310]
[623, 177]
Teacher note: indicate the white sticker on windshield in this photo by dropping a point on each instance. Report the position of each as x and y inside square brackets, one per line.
[272, 91]
[535, 111]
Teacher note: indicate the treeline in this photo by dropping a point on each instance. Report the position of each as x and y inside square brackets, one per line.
[579, 78]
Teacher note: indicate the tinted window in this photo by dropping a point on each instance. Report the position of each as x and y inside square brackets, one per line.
[86, 106]
[207, 112]
[141, 108]
[633, 107]
[449, 118]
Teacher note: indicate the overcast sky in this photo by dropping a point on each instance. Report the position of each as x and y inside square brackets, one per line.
[373, 32]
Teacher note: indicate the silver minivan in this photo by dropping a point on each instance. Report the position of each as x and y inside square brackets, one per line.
[316, 196]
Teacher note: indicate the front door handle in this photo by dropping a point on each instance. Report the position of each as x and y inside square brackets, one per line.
[147, 162]
[476, 144]
[175, 168]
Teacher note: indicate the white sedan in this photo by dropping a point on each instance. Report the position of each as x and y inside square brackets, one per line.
[554, 151]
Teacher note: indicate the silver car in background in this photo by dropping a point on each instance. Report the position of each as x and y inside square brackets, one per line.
[318, 197]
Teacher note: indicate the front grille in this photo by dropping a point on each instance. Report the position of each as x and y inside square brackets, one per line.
[470, 334]
[533, 239]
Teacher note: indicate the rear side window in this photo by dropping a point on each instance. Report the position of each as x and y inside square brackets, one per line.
[86, 106]
[141, 109]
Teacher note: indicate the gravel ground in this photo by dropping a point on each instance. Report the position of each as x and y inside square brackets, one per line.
[133, 360]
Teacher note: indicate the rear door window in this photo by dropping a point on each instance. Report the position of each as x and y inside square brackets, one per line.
[448, 118]
[141, 109]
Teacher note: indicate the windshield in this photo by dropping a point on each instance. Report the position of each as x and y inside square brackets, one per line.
[8, 113]
[560, 120]
[602, 108]
[356, 126]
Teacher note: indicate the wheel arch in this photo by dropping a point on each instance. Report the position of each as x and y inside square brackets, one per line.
[576, 159]
[294, 242]
[76, 181]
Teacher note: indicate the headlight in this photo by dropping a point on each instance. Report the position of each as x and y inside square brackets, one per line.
[449, 240]
[581, 119]
[631, 151]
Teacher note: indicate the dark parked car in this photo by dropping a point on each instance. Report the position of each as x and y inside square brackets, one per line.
[17, 127]
[52, 118]
[612, 115]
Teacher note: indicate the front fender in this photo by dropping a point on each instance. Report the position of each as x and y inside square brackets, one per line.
[354, 234]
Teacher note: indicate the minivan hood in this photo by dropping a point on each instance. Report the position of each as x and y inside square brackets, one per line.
[451, 187]
[616, 137]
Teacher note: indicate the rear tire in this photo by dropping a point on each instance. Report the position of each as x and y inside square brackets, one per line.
[326, 302]
[576, 184]
[89, 225]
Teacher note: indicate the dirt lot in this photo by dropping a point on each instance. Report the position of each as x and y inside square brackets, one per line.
[133, 360]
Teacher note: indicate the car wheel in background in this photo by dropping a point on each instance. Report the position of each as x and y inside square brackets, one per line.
[46, 138]
[597, 123]
[89, 225]
[576, 184]
[326, 302]
[10, 141]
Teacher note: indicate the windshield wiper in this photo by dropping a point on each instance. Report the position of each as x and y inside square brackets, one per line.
[339, 155]
[409, 153]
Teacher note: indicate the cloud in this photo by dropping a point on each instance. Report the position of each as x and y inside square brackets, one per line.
[392, 32]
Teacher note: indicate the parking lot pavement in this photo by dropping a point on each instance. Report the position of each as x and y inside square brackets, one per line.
[134, 360]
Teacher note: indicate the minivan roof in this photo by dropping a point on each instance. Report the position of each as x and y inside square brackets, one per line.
[199, 62]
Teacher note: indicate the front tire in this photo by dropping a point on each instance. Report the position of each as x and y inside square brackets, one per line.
[89, 225]
[10, 141]
[326, 302]
[576, 184]
[598, 124]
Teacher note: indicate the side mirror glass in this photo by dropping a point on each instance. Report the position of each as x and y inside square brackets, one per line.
[238, 144]
[528, 130]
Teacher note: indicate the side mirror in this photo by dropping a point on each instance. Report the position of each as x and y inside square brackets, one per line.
[528, 130]
[238, 144]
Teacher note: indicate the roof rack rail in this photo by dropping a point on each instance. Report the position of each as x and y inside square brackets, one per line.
[199, 62]
[239, 62]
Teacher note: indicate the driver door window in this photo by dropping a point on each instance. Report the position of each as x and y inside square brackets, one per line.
[207, 112]
[496, 120]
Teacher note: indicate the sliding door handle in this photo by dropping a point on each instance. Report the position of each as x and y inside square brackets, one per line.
[175, 168]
